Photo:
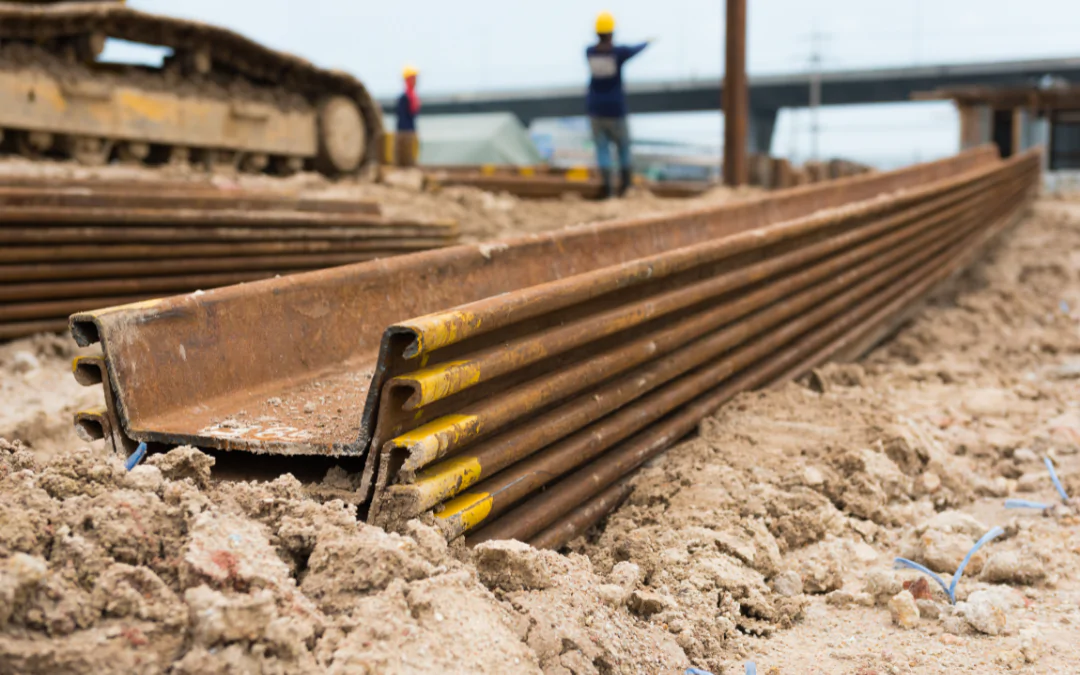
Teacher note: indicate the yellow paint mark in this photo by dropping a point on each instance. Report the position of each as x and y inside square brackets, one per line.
[431, 441]
[469, 510]
[487, 170]
[445, 328]
[424, 359]
[150, 108]
[445, 479]
[443, 380]
[578, 174]
[527, 171]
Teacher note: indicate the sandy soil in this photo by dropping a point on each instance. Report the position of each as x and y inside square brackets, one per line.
[767, 537]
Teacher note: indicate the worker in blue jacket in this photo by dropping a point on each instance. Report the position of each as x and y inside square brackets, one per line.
[407, 145]
[606, 101]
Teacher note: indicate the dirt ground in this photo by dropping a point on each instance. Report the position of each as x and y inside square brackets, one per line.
[768, 537]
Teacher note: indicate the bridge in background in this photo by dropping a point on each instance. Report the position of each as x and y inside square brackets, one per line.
[768, 93]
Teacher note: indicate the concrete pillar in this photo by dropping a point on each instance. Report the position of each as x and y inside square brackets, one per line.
[762, 126]
[975, 124]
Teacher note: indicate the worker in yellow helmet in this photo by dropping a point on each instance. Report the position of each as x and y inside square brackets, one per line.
[408, 107]
[606, 101]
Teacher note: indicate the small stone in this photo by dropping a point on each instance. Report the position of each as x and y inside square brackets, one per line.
[813, 476]
[613, 594]
[928, 609]
[626, 575]
[1030, 644]
[1032, 482]
[1024, 455]
[512, 566]
[997, 488]
[955, 625]
[903, 610]
[24, 362]
[864, 600]
[919, 589]
[882, 585]
[839, 599]
[1013, 567]
[145, 477]
[787, 584]
[273, 401]
[184, 462]
[647, 603]
[309, 408]
[983, 613]
[927, 483]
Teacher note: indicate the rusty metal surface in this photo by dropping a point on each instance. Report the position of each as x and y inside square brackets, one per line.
[70, 249]
[469, 378]
[168, 195]
[736, 95]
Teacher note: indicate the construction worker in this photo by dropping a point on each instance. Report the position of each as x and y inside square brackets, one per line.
[606, 101]
[408, 106]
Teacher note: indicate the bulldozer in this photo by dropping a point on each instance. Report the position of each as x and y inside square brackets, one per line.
[218, 99]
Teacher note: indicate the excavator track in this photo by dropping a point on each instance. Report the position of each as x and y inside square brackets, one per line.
[219, 98]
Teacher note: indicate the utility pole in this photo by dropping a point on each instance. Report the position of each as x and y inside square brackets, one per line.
[736, 95]
[815, 92]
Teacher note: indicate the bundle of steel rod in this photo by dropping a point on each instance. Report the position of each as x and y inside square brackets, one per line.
[84, 245]
[513, 388]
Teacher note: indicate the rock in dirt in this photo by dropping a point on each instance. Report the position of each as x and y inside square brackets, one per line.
[985, 612]
[513, 566]
[145, 477]
[1021, 568]
[903, 610]
[184, 462]
[647, 603]
[928, 609]
[882, 585]
[787, 584]
[228, 551]
[943, 551]
[219, 619]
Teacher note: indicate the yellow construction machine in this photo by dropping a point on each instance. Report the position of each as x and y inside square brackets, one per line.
[219, 98]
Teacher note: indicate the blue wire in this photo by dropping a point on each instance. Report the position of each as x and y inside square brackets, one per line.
[751, 668]
[950, 589]
[696, 671]
[1057, 483]
[1025, 504]
[992, 534]
[135, 457]
[904, 562]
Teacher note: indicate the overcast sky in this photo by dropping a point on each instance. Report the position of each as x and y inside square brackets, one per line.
[497, 44]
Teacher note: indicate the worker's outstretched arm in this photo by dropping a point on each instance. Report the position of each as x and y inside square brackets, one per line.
[627, 52]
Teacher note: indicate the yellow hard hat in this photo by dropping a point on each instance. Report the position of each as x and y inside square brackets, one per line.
[409, 71]
[605, 23]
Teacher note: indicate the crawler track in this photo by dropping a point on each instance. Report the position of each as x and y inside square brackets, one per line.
[220, 97]
[511, 388]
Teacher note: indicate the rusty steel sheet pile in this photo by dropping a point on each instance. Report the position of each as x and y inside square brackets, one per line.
[69, 248]
[511, 388]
